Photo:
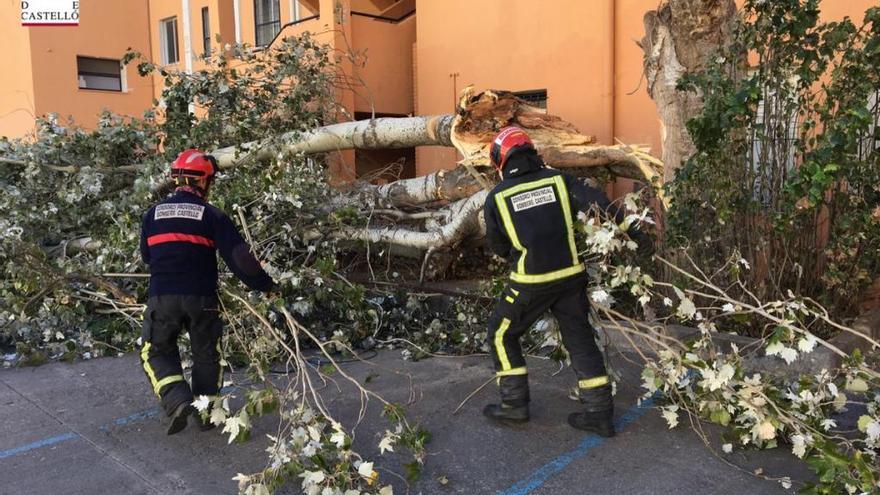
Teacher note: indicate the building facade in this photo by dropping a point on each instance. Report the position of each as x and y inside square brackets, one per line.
[578, 58]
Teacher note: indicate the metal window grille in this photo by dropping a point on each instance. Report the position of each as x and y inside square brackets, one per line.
[535, 97]
[267, 18]
[99, 73]
[206, 31]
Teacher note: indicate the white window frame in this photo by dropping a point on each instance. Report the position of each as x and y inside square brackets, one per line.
[164, 41]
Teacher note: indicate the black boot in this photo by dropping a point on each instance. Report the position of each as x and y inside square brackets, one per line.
[506, 414]
[599, 422]
[514, 407]
[203, 424]
[598, 412]
[179, 418]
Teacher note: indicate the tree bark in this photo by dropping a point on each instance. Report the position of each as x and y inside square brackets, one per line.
[465, 221]
[374, 134]
[680, 37]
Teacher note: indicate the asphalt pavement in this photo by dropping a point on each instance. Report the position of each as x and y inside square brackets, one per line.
[93, 427]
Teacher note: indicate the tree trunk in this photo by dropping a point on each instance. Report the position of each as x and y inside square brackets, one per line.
[680, 37]
[374, 134]
[442, 209]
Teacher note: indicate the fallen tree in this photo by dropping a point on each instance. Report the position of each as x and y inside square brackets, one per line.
[306, 231]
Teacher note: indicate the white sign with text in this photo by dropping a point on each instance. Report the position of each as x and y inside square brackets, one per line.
[50, 12]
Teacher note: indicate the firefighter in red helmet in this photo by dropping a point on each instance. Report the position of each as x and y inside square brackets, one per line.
[179, 240]
[530, 217]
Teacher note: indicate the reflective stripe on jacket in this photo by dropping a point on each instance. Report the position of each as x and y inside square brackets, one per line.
[530, 219]
[180, 237]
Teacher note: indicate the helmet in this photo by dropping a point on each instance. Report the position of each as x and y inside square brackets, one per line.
[193, 164]
[505, 143]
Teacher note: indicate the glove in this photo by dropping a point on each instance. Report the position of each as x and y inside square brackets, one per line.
[274, 291]
[646, 250]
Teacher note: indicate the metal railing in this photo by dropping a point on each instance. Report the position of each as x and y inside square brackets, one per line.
[393, 20]
[281, 30]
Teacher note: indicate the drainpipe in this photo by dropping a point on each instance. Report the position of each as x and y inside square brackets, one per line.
[236, 7]
[150, 44]
[611, 187]
[612, 62]
[187, 38]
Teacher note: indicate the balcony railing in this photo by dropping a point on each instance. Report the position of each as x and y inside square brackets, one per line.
[281, 30]
[393, 20]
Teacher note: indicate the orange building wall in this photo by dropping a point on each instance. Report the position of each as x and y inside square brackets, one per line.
[387, 74]
[517, 45]
[17, 109]
[99, 34]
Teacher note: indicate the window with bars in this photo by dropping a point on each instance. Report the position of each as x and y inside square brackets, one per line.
[206, 32]
[535, 97]
[775, 139]
[99, 73]
[267, 17]
[168, 41]
[870, 142]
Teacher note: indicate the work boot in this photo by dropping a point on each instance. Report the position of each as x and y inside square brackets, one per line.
[505, 413]
[598, 411]
[203, 424]
[514, 407]
[179, 418]
[598, 422]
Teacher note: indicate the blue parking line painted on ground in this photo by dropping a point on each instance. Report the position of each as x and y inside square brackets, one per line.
[131, 418]
[539, 477]
[38, 444]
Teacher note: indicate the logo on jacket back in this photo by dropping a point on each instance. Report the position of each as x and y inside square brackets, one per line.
[179, 210]
[531, 199]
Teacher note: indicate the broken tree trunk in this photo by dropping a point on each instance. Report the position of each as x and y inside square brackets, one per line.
[374, 134]
[680, 36]
[443, 209]
[478, 119]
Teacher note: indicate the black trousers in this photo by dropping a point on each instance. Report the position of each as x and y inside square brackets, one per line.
[517, 310]
[165, 318]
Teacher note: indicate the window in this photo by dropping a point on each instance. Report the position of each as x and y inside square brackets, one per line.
[168, 41]
[206, 32]
[535, 97]
[775, 139]
[870, 142]
[99, 73]
[267, 14]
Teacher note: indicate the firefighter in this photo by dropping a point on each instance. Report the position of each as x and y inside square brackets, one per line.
[179, 240]
[530, 217]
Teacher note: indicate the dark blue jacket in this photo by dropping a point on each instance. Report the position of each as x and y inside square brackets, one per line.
[179, 240]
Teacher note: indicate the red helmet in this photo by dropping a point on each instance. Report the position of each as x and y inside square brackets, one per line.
[194, 163]
[508, 140]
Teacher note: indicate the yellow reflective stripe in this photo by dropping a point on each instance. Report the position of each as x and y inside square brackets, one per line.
[593, 382]
[515, 292]
[566, 212]
[508, 299]
[145, 356]
[511, 230]
[508, 223]
[547, 277]
[515, 371]
[527, 185]
[499, 344]
[165, 381]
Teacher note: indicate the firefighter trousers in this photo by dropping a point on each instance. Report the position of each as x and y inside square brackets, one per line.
[165, 318]
[516, 311]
